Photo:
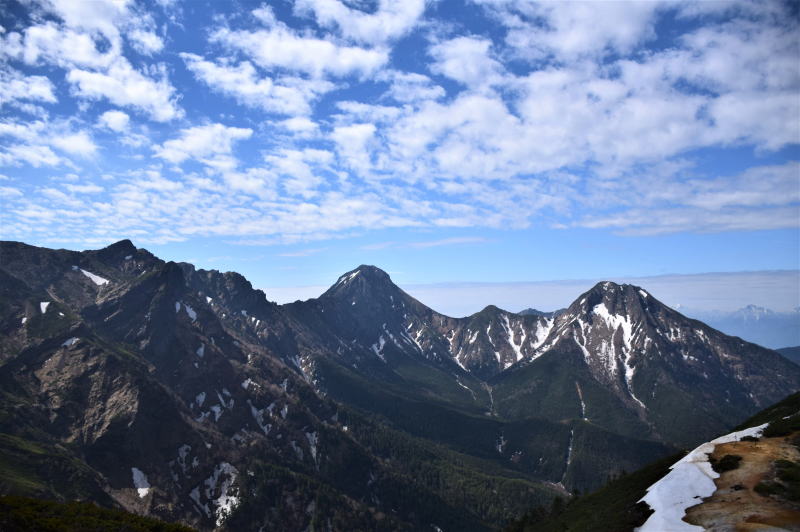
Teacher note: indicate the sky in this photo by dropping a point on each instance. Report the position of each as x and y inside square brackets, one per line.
[456, 142]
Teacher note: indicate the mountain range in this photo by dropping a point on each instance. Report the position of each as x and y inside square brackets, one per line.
[755, 324]
[187, 395]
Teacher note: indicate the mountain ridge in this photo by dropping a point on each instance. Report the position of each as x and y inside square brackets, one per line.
[554, 402]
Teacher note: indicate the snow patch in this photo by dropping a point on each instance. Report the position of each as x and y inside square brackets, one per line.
[201, 350]
[378, 348]
[190, 311]
[690, 480]
[517, 348]
[69, 343]
[583, 405]
[128, 257]
[258, 416]
[43, 306]
[195, 496]
[247, 383]
[226, 502]
[96, 279]
[501, 444]
[200, 399]
[346, 278]
[24, 320]
[183, 453]
[140, 482]
[313, 440]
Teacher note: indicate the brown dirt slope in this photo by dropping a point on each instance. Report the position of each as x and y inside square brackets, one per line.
[735, 505]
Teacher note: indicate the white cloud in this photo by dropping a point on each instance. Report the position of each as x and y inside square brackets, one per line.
[447, 242]
[39, 137]
[87, 188]
[764, 197]
[300, 125]
[410, 87]
[125, 86]
[202, 142]
[10, 192]
[278, 46]
[79, 143]
[390, 21]
[34, 155]
[145, 42]
[574, 29]
[64, 47]
[467, 60]
[88, 45]
[353, 143]
[288, 96]
[14, 85]
[115, 121]
[301, 170]
[102, 16]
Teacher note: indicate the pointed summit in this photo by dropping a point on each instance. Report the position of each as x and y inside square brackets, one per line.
[124, 245]
[117, 251]
[363, 281]
[616, 298]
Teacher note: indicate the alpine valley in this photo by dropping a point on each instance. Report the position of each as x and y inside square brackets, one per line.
[186, 395]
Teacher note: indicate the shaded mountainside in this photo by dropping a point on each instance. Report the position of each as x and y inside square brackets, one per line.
[791, 353]
[185, 394]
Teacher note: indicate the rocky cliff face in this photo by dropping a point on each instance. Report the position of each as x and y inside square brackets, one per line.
[186, 394]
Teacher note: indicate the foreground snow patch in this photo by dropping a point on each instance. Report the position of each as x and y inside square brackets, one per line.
[140, 482]
[689, 481]
[43, 306]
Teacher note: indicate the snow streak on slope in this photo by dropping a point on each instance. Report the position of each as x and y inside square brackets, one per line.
[615, 323]
[690, 480]
[583, 405]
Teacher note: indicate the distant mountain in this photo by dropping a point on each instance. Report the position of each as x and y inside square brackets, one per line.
[534, 312]
[186, 395]
[756, 324]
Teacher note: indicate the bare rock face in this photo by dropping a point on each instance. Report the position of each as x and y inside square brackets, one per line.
[187, 395]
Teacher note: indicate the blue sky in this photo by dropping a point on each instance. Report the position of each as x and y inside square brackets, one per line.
[503, 141]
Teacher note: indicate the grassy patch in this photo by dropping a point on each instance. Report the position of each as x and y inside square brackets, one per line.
[19, 514]
[728, 462]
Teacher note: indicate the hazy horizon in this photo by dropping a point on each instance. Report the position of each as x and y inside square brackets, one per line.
[715, 291]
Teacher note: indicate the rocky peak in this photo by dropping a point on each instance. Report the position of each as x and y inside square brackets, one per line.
[362, 283]
[611, 299]
[124, 245]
